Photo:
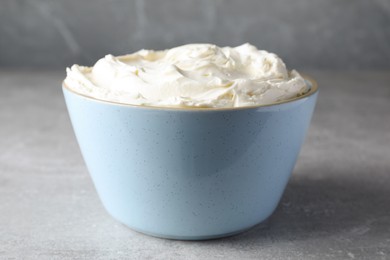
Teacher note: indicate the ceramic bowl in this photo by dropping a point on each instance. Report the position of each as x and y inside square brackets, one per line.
[192, 173]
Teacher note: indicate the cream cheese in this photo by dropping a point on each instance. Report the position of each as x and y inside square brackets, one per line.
[193, 75]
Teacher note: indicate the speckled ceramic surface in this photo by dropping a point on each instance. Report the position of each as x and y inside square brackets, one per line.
[189, 174]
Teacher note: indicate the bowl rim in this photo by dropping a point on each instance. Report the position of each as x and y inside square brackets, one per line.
[313, 89]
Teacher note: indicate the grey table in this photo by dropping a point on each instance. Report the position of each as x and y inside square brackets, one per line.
[336, 206]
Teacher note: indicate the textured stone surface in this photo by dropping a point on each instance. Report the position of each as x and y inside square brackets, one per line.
[336, 206]
[306, 33]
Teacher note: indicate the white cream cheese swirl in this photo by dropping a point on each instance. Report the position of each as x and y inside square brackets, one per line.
[193, 75]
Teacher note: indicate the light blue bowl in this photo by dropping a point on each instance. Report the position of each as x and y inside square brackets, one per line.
[190, 173]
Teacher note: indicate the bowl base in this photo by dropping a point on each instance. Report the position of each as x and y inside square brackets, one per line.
[189, 238]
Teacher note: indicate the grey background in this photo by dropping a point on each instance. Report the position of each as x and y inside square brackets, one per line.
[332, 34]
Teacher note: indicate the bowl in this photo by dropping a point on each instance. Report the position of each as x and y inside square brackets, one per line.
[191, 173]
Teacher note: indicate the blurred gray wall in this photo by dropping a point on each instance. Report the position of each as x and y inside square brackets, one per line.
[326, 34]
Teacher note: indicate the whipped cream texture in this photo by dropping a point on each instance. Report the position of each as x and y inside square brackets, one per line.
[193, 75]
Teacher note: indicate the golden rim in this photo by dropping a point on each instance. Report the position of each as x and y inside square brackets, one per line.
[313, 89]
